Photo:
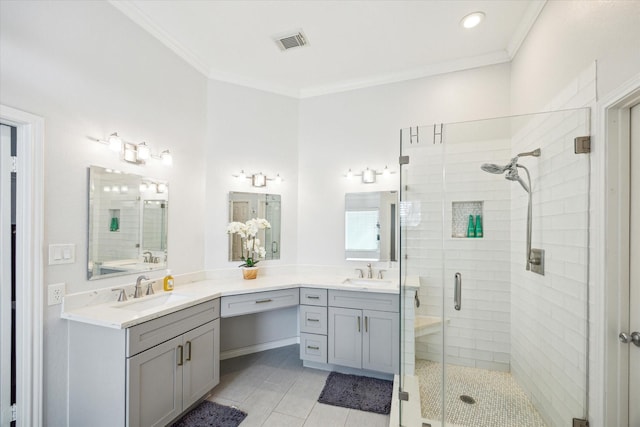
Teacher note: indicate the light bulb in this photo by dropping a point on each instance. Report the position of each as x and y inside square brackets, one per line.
[143, 187]
[167, 158]
[162, 187]
[349, 174]
[278, 178]
[115, 142]
[472, 19]
[386, 171]
[241, 175]
[143, 151]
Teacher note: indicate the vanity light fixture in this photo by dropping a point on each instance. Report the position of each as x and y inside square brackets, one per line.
[258, 179]
[134, 153]
[472, 20]
[368, 176]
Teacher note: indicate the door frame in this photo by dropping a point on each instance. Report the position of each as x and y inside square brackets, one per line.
[612, 252]
[29, 263]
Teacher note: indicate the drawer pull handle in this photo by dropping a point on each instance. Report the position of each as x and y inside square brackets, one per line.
[313, 297]
[188, 343]
[180, 350]
[313, 347]
[366, 324]
[358, 323]
[313, 320]
[260, 301]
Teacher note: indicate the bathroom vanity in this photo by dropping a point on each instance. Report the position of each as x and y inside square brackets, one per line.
[144, 375]
[146, 361]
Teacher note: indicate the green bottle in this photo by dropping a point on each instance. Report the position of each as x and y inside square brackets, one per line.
[471, 229]
[478, 226]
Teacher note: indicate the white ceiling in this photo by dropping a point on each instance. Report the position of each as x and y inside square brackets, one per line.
[352, 44]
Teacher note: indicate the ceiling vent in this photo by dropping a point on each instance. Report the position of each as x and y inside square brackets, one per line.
[290, 40]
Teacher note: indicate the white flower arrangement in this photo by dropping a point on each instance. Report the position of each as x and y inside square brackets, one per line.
[251, 249]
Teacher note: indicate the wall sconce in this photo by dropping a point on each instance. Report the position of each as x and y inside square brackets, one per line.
[153, 187]
[368, 176]
[134, 153]
[258, 179]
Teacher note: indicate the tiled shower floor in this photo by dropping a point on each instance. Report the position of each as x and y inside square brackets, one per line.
[500, 402]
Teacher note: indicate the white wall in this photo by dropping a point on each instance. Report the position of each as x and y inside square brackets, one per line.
[567, 37]
[360, 129]
[89, 71]
[253, 131]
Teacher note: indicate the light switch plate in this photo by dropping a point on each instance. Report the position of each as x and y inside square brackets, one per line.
[64, 253]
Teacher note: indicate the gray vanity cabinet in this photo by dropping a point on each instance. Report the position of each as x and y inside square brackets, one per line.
[146, 375]
[166, 379]
[364, 330]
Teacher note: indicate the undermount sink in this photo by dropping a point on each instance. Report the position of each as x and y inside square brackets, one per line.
[149, 302]
[367, 282]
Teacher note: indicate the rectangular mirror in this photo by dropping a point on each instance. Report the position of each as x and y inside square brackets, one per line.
[128, 221]
[245, 206]
[371, 226]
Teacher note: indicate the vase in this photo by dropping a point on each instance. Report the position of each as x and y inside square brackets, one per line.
[249, 272]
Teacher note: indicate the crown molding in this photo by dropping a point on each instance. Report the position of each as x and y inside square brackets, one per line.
[493, 58]
[526, 23]
[134, 13]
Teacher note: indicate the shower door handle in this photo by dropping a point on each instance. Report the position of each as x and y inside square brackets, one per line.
[457, 292]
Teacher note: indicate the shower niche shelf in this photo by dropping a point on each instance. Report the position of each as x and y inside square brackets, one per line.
[460, 212]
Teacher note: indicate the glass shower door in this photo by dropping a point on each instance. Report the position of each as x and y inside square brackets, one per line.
[503, 286]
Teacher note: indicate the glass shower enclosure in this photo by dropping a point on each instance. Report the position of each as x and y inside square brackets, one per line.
[494, 221]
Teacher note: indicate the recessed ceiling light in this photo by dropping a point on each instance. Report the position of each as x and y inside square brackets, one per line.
[472, 19]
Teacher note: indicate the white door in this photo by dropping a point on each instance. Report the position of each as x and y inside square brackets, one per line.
[634, 271]
[5, 276]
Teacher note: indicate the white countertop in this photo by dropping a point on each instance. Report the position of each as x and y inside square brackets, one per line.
[112, 315]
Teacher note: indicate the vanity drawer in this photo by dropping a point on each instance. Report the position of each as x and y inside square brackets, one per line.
[313, 347]
[148, 334]
[313, 319]
[364, 300]
[236, 305]
[312, 296]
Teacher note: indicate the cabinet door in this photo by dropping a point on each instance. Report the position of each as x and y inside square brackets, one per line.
[154, 385]
[345, 337]
[201, 356]
[380, 342]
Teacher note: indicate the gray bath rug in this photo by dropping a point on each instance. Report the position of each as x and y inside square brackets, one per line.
[211, 414]
[356, 392]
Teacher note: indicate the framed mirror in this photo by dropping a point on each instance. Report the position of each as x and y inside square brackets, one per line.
[245, 206]
[371, 226]
[128, 221]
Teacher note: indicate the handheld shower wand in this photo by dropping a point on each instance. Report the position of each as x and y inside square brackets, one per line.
[512, 175]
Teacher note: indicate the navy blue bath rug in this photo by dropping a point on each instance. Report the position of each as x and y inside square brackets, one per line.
[211, 414]
[357, 392]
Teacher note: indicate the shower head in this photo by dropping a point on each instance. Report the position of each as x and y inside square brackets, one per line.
[493, 168]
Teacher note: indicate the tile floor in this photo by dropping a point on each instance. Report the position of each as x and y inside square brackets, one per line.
[499, 400]
[275, 390]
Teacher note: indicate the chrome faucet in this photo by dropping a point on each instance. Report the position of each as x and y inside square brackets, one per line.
[148, 256]
[360, 273]
[369, 271]
[138, 291]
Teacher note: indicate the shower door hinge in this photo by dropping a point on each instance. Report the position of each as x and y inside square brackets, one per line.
[403, 160]
[403, 395]
[582, 144]
[14, 410]
[14, 164]
[437, 134]
[411, 135]
[577, 422]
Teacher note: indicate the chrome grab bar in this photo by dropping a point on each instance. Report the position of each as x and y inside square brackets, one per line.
[457, 292]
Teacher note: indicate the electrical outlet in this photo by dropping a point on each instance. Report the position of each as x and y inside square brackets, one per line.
[56, 293]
